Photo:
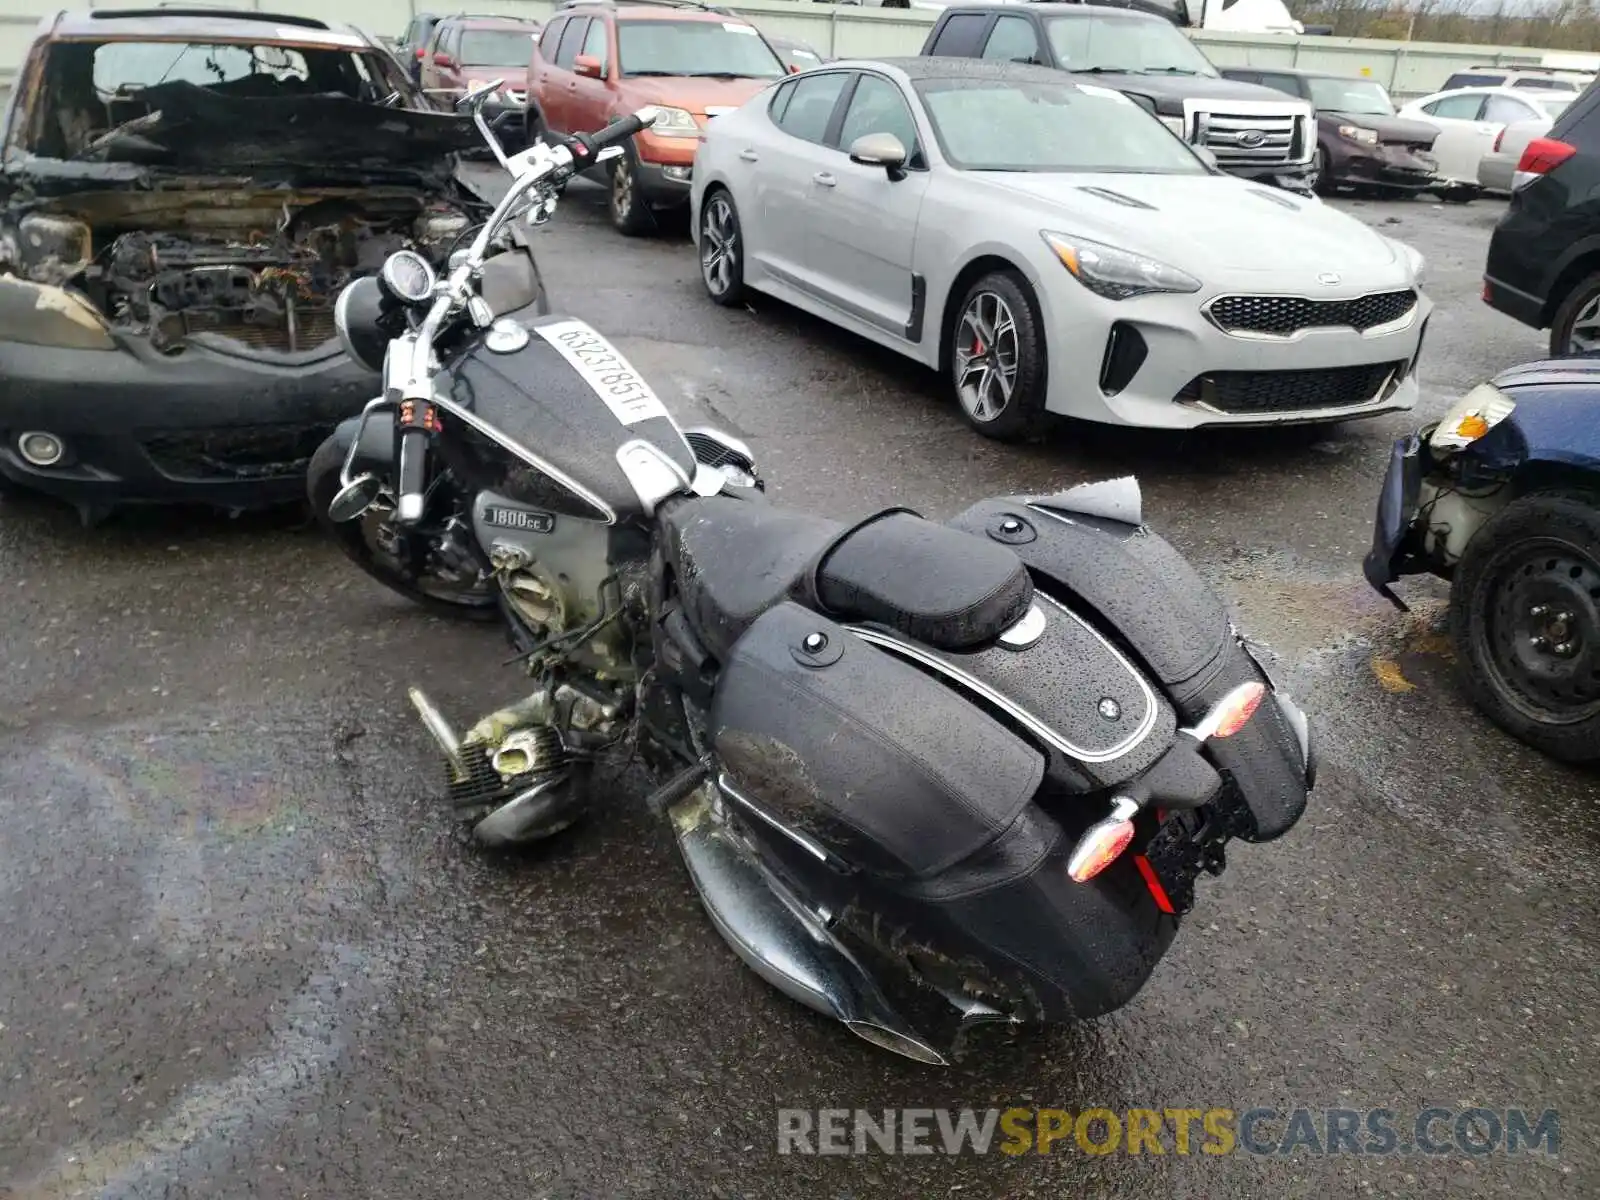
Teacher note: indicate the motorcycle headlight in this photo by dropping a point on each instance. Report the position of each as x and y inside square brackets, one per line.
[1113, 273]
[1359, 133]
[1474, 415]
[675, 122]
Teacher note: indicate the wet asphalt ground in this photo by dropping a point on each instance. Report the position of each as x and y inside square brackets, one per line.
[243, 952]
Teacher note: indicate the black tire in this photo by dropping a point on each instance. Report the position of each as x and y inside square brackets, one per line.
[630, 211]
[1324, 186]
[721, 244]
[1021, 413]
[322, 483]
[1584, 295]
[1525, 615]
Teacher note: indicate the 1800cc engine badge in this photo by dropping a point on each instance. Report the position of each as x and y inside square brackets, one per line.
[519, 518]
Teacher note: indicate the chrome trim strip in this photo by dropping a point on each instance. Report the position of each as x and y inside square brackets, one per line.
[1405, 321]
[648, 467]
[1045, 732]
[725, 786]
[527, 456]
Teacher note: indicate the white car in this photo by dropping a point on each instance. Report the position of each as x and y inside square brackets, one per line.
[1471, 121]
[1053, 248]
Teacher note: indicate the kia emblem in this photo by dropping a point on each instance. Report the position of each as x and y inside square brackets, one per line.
[1329, 278]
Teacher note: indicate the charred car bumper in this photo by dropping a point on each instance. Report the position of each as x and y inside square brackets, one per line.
[136, 426]
[1382, 165]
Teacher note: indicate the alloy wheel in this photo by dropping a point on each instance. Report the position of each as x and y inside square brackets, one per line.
[1543, 630]
[622, 189]
[719, 245]
[1585, 335]
[986, 354]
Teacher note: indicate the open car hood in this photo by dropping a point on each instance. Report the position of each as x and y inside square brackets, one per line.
[198, 127]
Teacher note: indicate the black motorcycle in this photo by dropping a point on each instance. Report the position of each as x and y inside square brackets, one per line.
[976, 766]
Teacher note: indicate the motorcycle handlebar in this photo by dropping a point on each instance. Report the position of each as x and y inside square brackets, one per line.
[618, 131]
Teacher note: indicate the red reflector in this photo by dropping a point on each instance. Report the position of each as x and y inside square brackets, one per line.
[1157, 892]
[419, 51]
[1544, 154]
[1098, 848]
[1237, 707]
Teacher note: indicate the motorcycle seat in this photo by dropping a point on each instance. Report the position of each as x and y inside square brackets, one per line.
[735, 558]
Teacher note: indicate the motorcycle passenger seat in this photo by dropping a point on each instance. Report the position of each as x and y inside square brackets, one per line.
[940, 586]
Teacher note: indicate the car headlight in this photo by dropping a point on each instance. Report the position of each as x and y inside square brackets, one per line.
[675, 122]
[1479, 411]
[1359, 133]
[1113, 273]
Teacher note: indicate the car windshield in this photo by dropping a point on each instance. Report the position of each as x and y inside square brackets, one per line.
[1351, 96]
[1013, 125]
[496, 47]
[727, 49]
[92, 87]
[1132, 44]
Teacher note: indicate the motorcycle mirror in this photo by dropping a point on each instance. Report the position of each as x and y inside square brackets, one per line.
[354, 498]
[475, 96]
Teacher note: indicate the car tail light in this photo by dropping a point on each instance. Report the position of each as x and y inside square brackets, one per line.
[1231, 713]
[1544, 155]
[1103, 841]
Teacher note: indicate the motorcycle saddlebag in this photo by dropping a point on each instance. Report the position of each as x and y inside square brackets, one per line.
[1157, 605]
[862, 753]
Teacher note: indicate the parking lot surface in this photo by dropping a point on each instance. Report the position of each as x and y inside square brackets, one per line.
[246, 953]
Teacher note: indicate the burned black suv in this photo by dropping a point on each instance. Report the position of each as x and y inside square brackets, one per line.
[1252, 131]
[183, 194]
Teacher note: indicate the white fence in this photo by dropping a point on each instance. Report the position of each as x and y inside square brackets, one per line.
[1406, 68]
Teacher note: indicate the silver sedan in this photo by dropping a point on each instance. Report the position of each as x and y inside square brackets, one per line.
[1054, 249]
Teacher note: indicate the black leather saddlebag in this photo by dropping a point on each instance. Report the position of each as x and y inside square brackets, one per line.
[1173, 622]
[859, 751]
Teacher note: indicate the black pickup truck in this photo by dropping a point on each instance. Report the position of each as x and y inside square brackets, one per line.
[1253, 131]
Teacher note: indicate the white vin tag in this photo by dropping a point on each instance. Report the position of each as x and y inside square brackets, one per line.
[603, 368]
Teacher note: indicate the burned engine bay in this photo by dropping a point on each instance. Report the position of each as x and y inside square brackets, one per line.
[254, 272]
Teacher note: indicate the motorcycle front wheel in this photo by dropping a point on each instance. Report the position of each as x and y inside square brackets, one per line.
[382, 550]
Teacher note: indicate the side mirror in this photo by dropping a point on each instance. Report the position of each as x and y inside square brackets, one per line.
[589, 66]
[354, 498]
[880, 150]
[1207, 156]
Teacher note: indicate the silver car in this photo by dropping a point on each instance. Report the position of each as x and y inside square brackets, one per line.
[1054, 249]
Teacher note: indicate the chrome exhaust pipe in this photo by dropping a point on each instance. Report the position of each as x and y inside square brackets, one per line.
[778, 937]
[439, 728]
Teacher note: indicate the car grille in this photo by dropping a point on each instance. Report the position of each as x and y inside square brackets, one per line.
[312, 328]
[1251, 140]
[1249, 392]
[239, 452]
[1285, 315]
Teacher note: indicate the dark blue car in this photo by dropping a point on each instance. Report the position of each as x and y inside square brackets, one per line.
[1502, 498]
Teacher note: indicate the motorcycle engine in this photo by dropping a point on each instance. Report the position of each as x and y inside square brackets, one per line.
[556, 574]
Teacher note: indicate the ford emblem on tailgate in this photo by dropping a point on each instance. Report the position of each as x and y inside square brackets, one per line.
[1250, 138]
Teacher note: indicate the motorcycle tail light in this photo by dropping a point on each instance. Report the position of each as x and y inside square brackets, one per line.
[1103, 842]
